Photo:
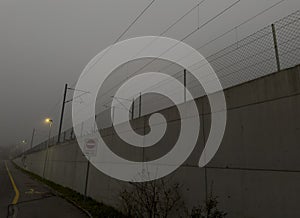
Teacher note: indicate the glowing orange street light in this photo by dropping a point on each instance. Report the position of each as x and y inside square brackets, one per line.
[50, 122]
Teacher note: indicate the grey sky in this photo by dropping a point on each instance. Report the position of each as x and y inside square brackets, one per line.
[45, 44]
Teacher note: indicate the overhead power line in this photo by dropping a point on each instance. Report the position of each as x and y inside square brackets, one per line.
[187, 36]
[134, 21]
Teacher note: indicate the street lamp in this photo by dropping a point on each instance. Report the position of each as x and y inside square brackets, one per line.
[50, 122]
[24, 142]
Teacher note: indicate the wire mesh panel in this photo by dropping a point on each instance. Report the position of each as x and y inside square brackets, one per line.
[152, 103]
[245, 60]
[288, 37]
[250, 58]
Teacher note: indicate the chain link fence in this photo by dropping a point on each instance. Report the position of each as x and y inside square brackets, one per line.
[273, 48]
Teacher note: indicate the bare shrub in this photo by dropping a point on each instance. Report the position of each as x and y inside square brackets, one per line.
[209, 210]
[152, 199]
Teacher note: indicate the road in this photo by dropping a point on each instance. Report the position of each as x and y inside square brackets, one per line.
[35, 200]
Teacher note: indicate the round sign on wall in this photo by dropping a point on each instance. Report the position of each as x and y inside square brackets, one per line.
[90, 144]
[90, 148]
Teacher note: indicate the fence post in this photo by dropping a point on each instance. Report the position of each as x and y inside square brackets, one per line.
[81, 131]
[87, 178]
[276, 47]
[132, 109]
[95, 124]
[184, 83]
[113, 116]
[71, 135]
[140, 105]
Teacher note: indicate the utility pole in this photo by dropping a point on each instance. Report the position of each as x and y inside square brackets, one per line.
[32, 137]
[63, 106]
[62, 112]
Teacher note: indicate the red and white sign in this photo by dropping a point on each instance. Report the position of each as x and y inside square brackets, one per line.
[90, 147]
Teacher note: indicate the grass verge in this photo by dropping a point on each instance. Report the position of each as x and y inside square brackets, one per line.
[94, 208]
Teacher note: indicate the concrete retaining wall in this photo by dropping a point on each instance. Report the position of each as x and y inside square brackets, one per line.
[255, 173]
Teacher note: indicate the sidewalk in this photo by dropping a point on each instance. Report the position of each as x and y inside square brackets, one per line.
[36, 200]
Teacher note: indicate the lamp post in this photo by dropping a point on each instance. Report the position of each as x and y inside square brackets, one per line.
[50, 122]
[24, 142]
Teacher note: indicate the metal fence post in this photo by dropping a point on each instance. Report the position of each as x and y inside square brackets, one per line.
[81, 131]
[140, 105]
[113, 116]
[87, 178]
[132, 109]
[95, 124]
[184, 83]
[276, 47]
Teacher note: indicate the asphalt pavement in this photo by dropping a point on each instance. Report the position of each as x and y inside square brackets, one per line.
[23, 197]
[6, 190]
